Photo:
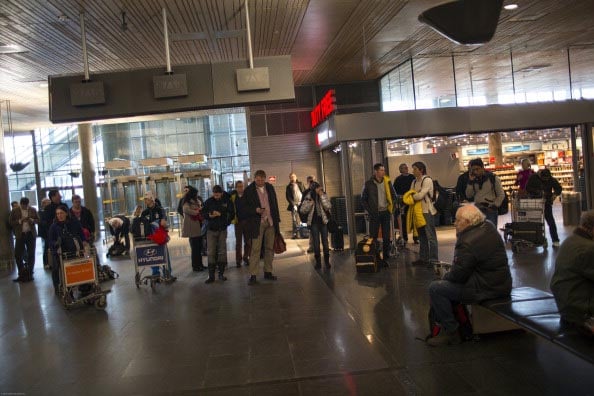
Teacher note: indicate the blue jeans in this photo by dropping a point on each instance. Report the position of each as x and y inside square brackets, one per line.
[441, 295]
[428, 240]
[320, 230]
[382, 220]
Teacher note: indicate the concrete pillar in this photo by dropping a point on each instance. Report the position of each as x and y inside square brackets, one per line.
[495, 149]
[88, 171]
[6, 256]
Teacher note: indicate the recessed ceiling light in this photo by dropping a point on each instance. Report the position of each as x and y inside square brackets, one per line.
[510, 6]
[11, 49]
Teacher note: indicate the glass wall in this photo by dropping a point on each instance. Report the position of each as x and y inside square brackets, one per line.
[478, 79]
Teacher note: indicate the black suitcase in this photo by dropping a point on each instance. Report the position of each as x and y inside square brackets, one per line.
[337, 240]
[366, 255]
[117, 249]
[303, 231]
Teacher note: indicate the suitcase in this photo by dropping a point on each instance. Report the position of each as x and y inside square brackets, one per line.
[117, 249]
[337, 240]
[366, 255]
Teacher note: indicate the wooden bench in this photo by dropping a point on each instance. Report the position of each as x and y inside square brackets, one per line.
[533, 310]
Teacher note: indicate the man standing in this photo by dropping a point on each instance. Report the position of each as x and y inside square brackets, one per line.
[219, 211]
[262, 223]
[294, 194]
[43, 230]
[46, 221]
[23, 220]
[239, 223]
[485, 189]
[479, 272]
[573, 280]
[84, 215]
[155, 215]
[543, 185]
[378, 201]
[401, 185]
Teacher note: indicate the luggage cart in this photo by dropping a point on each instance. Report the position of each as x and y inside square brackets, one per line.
[527, 228]
[80, 281]
[147, 255]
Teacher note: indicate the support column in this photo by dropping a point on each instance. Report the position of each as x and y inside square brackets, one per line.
[495, 149]
[88, 171]
[347, 190]
[6, 256]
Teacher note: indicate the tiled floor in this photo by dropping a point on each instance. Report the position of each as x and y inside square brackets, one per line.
[309, 333]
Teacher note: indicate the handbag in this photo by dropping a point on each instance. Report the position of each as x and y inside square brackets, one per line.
[332, 226]
[279, 244]
[204, 228]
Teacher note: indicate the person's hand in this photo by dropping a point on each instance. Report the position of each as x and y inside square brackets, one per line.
[215, 213]
[260, 210]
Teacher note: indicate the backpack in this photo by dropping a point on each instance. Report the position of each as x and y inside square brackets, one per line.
[106, 273]
[69, 243]
[440, 198]
[462, 316]
[141, 227]
[504, 207]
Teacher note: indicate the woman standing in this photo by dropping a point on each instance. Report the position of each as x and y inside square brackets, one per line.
[192, 229]
[423, 187]
[316, 207]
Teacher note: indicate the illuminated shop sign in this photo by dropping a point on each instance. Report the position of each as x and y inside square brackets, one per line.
[323, 109]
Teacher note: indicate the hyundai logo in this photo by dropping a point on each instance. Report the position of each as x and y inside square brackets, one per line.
[150, 252]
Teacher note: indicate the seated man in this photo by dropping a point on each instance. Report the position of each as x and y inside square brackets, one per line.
[573, 280]
[479, 272]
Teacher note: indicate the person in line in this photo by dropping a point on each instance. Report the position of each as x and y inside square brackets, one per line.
[49, 215]
[119, 226]
[461, 185]
[543, 185]
[308, 180]
[65, 238]
[378, 199]
[485, 189]
[423, 187]
[572, 283]
[522, 177]
[155, 215]
[192, 228]
[316, 206]
[43, 229]
[84, 216]
[294, 194]
[182, 200]
[479, 272]
[219, 211]
[239, 224]
[22, 221]
[401, 186]
[13, 206]
[262, 223]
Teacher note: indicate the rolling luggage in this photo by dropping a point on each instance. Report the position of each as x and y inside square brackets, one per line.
[337, 239]
[303, 231]
[366, 255]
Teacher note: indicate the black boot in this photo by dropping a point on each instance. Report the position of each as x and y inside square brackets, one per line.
[269, 276]
[327, 260]
[318, 261]
[211, 277]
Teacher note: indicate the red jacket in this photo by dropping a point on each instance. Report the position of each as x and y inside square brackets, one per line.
[160, 236]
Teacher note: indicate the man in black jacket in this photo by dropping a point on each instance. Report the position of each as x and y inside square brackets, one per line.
[401, 185]
[294, 194]
[219, 211]
[479, 272]
[262, 223]
[543, 185]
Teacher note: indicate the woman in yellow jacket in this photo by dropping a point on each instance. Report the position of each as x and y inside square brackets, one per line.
[423, 187]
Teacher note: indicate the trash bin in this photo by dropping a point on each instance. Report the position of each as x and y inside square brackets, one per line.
[571, 205]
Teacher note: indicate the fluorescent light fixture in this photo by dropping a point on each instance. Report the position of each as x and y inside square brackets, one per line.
[510, 7]
[43, 85]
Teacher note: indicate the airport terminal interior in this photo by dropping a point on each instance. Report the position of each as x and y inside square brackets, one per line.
[112, 100]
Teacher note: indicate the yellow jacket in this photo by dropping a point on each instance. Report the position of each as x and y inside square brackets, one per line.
[414, 216]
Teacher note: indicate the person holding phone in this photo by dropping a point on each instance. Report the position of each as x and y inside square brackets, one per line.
[316, 206]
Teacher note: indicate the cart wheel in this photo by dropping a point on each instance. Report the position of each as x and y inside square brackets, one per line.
[166, 274]
[137, 280]
[515, 248]
[153, 283]
[101, 303]
[545, 244]
[67, 299]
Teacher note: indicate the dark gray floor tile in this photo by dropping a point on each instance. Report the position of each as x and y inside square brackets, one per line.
[439, 379]
[271, 368]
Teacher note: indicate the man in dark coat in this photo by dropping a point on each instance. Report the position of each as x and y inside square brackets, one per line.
[262, 223]
[219, 211]
[543, 185]
[401, 185]
[294, 194]
[479, 272]
[573, 280]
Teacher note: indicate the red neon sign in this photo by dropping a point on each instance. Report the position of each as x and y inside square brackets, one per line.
[323, 109]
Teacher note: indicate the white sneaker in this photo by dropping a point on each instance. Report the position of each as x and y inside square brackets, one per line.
[556, 244]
